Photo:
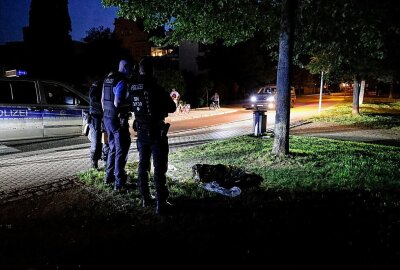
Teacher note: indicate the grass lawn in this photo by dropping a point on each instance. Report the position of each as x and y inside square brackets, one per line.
[382, 115]
[314, 164]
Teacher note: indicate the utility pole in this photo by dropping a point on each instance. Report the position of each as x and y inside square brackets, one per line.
[320, 92]
[207, 96]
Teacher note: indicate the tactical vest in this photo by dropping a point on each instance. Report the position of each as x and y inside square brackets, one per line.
[141, 101]
[108, 97]
[95, 99]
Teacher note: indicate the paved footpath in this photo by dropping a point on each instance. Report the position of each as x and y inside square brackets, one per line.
[26, 174]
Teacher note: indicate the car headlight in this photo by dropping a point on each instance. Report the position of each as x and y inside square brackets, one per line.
[253, 99]
[271, 99]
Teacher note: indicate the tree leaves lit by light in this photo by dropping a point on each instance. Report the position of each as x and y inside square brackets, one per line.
[231, 21]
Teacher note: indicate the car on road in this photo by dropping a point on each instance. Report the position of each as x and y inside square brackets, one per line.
[265, 98]
[35, 108]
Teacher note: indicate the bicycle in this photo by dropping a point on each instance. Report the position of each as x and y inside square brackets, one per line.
[213, 105]
[183, 108]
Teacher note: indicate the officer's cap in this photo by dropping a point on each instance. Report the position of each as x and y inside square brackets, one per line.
[124, 67]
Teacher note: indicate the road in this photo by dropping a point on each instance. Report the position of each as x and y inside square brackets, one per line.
[306, 106]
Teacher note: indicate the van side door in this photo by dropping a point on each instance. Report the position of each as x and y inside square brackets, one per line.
[63, 110]
[20, 110]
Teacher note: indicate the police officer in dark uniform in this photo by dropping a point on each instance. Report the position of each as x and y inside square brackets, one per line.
[116, 106]
[97, 149]
[151, 104]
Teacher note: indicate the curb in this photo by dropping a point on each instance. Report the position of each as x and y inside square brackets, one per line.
[35, 190]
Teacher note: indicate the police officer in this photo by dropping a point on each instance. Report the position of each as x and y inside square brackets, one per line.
[151, 104]
[97, 149]
[116, 106]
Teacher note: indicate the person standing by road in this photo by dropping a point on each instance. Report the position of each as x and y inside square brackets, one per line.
[97, 149]
[175, 96]
[215, 99]
[116, 106]
[151, 104]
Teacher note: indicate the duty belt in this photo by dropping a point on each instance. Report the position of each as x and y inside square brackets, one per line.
[147, 126]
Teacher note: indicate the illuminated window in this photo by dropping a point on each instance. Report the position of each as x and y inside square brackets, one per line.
[159, 51]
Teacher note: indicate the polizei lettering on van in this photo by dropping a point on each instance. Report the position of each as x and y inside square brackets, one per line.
[13, 113]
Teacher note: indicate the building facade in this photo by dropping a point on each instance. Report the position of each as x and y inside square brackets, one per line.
[132, 38]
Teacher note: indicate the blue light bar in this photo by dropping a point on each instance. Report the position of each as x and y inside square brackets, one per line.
[21, 72]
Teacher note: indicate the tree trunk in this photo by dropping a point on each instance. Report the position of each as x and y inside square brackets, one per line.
[282, 117]
[356, 96]
[391, 88]
[362, 92]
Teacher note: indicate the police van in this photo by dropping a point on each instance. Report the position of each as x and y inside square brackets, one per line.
[34, 109]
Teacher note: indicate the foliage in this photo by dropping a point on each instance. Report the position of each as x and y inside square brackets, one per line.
[350, 34]
[197, 87]
[102, 52]
[246, 64]
[344, 38]
[95, 178]
[347, 39]
[96, 34]
[232, 21]
[205, 87]
[389, 69]
[169, 78]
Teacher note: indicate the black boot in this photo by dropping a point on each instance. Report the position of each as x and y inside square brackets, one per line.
[148, 201]
[163, 207]
[108, 181]
[95, 164]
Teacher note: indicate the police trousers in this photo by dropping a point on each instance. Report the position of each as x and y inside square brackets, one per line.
[153, 144]
[97, 149]
[119, 141]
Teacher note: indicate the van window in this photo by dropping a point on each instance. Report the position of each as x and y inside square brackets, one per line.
[5, 92]
[59, 95]
[19, 92]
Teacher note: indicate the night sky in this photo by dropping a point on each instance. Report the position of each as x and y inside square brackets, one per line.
[14, 14]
